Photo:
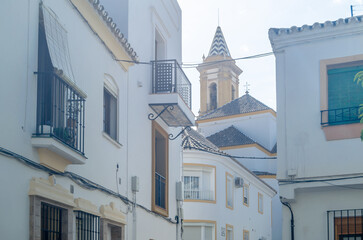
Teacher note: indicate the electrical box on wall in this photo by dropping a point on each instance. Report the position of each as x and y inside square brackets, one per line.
[179, 191]
[135, 183]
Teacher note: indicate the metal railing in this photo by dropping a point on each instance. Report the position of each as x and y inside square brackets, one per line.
[169, 77]
[51, 221]
[160, 190]
[339, 116]
[60, 111]
[345, 224]
[87, 226]
[199, 194]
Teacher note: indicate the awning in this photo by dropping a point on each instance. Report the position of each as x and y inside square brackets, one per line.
[57, 42]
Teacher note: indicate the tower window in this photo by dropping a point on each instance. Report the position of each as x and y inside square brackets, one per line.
[213, 96]
[233, 92]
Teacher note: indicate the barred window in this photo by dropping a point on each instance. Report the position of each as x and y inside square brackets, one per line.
[87, 226]
[51, 222]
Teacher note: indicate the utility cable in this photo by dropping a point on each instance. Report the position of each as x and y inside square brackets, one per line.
[194, 65]
[79, 180]
[227, 155]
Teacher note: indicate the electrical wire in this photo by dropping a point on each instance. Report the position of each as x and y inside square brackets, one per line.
[227, 155]
[194, 65]
[287, 182]
[79, 180]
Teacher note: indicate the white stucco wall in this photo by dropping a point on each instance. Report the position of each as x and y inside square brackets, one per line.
[90, 61]
[304, 152]
[241, 217]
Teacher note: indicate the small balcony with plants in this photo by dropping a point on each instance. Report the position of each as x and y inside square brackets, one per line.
[60, 125]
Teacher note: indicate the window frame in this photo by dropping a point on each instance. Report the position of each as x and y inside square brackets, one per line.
[260, 200]
[197, 169]
[228, 226]
[229, 176]
[114, 95]
[202, 223]
[342, 131]
[248, 234]
[157, 128]
[105, 223]
[246, 189]
[85, 231]
[36, 217]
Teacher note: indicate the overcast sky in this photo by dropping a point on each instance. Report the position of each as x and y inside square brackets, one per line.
[245, 25]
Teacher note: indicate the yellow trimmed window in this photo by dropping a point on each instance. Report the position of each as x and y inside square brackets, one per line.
[246, 235]
[160, 158]
[246, 195]
[229, 191]
[260, 203]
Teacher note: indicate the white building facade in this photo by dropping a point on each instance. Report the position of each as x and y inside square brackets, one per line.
[85, 149]
[320, 152]
[223, 199]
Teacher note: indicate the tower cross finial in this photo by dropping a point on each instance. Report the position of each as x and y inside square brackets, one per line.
[246, 86]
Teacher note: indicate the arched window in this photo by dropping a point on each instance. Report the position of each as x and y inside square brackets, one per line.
[213, 96]
[233, 92]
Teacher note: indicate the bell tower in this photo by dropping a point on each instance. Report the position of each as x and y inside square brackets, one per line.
[219, 76]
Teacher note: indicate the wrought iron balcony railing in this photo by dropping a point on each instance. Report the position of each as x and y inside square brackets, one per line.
[169, 77]
[60, 111]
[199, 195]
[340, 116]
[345, 224]
[160, 184]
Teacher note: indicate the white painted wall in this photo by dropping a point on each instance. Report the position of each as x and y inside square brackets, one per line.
[241, 217]
[259, 127]
[301, 141]
[90, 61]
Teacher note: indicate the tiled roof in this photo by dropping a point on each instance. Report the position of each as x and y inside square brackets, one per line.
[219, 45]
[230, 137]
[113, 28]
[244, 104]
[274, 149]
[327, 24]
[194, 140]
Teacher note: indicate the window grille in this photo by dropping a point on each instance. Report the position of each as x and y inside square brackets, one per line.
[87, 226]
[160, 185]
[51, 222]
[345, 224]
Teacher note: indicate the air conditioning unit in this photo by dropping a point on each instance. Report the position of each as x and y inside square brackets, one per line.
[238, 182]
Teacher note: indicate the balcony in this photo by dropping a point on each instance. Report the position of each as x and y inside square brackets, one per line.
[340, 116]
[171, 94]
[345, 224]
[206, 195]
[60, 122]
[160, 184]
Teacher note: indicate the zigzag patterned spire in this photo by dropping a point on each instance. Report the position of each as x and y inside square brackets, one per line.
[219, 45]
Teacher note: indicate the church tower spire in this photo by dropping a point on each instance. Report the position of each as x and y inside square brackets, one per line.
[218, 76]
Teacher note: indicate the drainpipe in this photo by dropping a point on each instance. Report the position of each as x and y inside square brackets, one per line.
[286, 204]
